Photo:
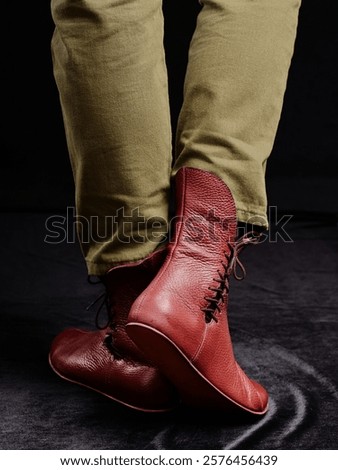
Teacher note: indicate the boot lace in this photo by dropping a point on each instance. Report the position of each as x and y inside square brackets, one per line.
[231, 265]
[103, 300]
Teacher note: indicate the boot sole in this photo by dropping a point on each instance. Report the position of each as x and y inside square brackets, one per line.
[121, 402]
[195, 389]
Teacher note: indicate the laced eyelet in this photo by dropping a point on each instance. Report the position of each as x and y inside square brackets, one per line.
[104, 297]
[231, 266]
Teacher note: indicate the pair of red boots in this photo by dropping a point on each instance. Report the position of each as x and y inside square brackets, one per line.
[168, 340]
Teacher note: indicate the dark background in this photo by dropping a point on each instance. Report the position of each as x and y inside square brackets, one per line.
[302, 173]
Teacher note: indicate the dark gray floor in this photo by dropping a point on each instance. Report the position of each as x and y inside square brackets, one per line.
[283, 319]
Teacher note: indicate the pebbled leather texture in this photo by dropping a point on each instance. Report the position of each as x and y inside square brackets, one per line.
[107, 361]
[172, 305]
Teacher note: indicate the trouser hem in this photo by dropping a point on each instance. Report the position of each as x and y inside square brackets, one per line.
[100, 268]
[252, 217]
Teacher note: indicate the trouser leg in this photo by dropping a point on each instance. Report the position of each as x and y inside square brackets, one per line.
[110, 71]
[238, 65]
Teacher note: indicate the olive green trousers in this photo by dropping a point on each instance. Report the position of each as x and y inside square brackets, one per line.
[109, 67]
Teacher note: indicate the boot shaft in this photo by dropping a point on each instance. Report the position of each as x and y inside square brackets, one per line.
[205, 221]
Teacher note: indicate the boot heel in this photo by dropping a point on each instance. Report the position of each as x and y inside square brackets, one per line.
[163, 353]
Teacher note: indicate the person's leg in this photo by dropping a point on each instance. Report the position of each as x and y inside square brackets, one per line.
[236, 77]
[110, 71]
[109, 66]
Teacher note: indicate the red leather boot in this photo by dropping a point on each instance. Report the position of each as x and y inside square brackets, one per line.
[107, 361]
[180, 320]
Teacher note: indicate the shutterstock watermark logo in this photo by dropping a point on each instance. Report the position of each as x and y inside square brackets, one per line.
[124, 227]
[133, 227]
[279, 231]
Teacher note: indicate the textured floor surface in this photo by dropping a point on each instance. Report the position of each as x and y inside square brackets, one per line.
[283, 319]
